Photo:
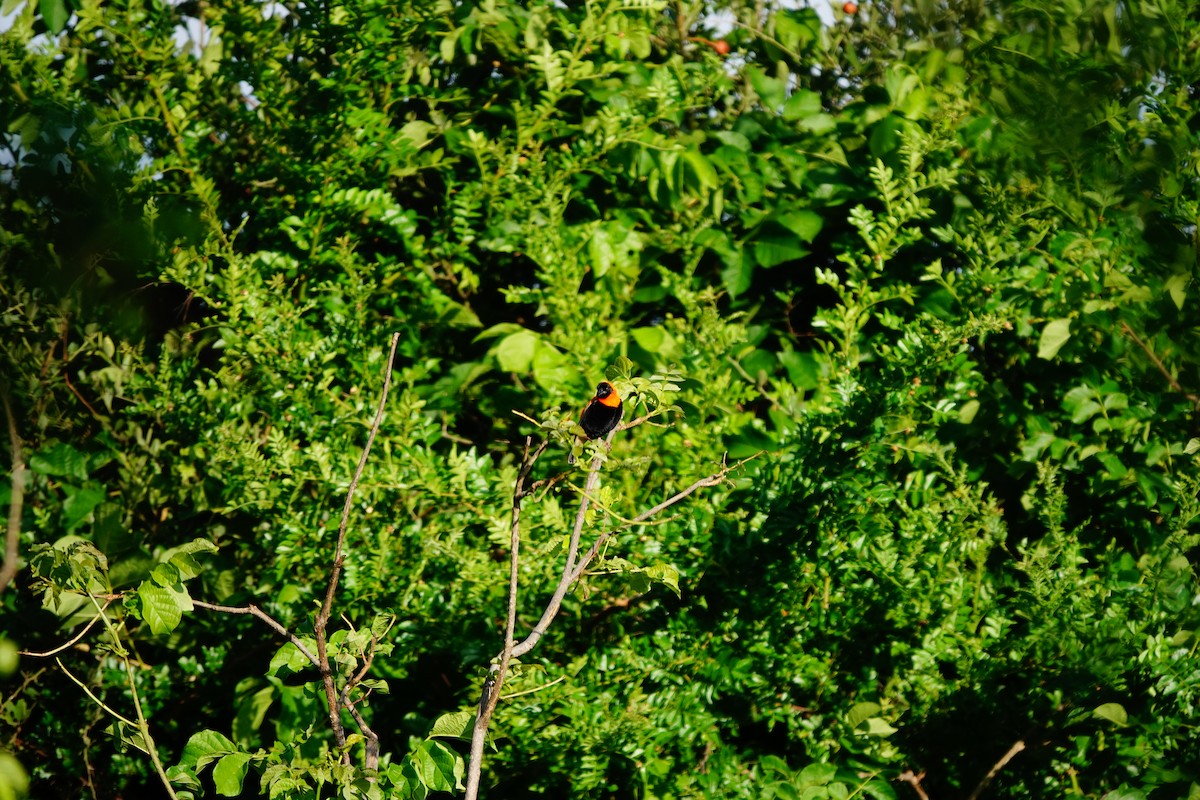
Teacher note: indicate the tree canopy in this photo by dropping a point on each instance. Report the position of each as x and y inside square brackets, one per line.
[301, 302]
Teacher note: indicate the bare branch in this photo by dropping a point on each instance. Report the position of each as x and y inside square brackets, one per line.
[322, 620]
[1128, 331]
[572, 574]
[267, 618]
[490, 694]
[1017, 747]
[372, 746]
[914, 779]
[712, 480]
[644, 420]
[96, 700]
[73, 639]
[564, 583]
[12, 538]
[573, 567]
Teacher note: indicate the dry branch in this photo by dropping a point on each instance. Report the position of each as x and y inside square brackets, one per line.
[322, 620]
[16, 503]
[267, 618]
[573, 567]
[1017, 747]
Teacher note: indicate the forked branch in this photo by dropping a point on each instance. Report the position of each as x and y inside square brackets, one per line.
[574, 566]
[16, 501]
[335, 701]
[331, 693]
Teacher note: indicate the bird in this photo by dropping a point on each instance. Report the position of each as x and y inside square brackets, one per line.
[600, 415]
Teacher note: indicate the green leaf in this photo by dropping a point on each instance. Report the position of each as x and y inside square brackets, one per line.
[229, 773]
[861, 712]
[614, 246]
[1128, 793]
[877, 726]
[801, 104]
[665, 574]
[205, 747]
[657, 341]
[702, 168]
[55, 13]
[878, 789]
[165, 575]
[773, 247]
[783, 791]
[797, 29]
[1054, 336]
[454, 725]
[80, 502]
[817, 774]
[60, 459]
[417, 132]
[552, 369]
[1113, 712]
[183, 560]
[1112, 465]
[803, 368]
[438, 767]
[733, 139]
[126, 736]
[251, 711]
[288, 660]
[514, 353]
[162, 608]
[802, 223]
[1081, 403]
[14, 782]
[772, 91]
[449, 43]
[1176, 286]
[774, 764]
[736, 276]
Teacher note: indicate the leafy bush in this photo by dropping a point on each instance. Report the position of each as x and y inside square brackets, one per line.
[936, 260]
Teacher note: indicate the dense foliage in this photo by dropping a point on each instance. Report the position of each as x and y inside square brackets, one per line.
[933, 262]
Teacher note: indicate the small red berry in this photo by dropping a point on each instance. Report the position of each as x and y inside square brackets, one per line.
[850, 8]
[721, 46]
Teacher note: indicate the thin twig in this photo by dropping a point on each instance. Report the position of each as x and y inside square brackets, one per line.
[143, 724]
[535, 689]
[267, 618]
[331, 694]
[72, 641]
[357, 678]
[495, 679]
[564, 583]
[1017, 747]
[527, 418]
[572, 573]
[371, 762]
[573, 567]
[16, 504]
[95, 699]
[711, 480]
[1128, 331]
[78, 396]
[914, 779]
[144, 728]
[642, 420]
